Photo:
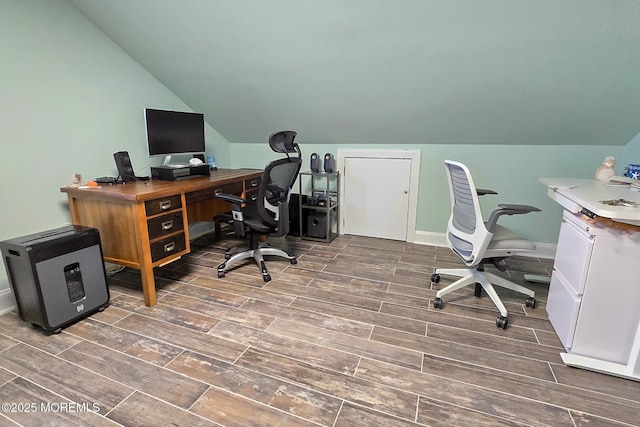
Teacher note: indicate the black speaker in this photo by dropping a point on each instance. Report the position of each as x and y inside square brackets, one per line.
[123, 163]
[317, 225]
[315, 162]
[328, 162]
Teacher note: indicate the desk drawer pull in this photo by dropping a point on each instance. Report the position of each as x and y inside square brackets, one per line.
[165, 224]
[253, 197]
[157, 206]
[169, 246]
[252, 183]
[217, 191]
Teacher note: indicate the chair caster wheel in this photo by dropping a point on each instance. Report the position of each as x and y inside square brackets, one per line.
[478, 290]
[435, 278]
[227, 256]
[220, 274]
[266, 277]
[502, 322]
[531, 302]
[294, 261]
[437, 303]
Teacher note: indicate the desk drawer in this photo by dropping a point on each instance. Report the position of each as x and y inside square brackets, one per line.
[573, 254]
[251, 196]
[233, 188]
[252, 183]
[165, 224]
[165, 204]
[563, 305]
[167, 247]
[210, 193]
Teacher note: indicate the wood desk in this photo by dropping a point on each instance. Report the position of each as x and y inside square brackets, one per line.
[145, 224]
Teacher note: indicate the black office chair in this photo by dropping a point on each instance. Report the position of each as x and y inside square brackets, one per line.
[269, 213]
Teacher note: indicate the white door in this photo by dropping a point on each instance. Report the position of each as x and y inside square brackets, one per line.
[376, 197]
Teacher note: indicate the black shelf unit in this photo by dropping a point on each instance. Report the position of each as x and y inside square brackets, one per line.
[320, 217]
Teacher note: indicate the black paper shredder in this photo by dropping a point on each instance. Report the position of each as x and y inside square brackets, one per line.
[57, 276]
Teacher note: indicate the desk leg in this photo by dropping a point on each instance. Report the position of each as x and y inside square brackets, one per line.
[148, 284]
[144, 256]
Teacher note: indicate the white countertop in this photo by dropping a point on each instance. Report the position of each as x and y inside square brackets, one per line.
[576, 194]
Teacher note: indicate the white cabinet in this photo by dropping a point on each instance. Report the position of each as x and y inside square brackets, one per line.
[569, 277]
[594, 295]
[563, 305]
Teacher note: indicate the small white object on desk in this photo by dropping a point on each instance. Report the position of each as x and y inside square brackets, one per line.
[604, 172]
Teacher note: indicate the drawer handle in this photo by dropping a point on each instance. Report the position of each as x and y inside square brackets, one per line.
[170, 247]
[254, 197]
[217, 191]
[166, 204]
[254, 183]
[168, 225]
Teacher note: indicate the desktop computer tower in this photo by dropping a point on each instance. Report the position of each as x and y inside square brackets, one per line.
[57, 276]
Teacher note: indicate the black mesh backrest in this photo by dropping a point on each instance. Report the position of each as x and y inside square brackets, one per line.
[275, 187]
[278, 177]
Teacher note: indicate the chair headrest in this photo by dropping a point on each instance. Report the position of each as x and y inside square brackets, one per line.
[282, 141]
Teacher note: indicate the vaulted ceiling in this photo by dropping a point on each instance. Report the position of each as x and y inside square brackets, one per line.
[393, 71]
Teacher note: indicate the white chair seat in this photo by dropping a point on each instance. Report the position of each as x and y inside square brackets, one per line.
[506, 240]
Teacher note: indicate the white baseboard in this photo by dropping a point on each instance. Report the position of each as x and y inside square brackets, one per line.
[429, 238]
[7, 302]
[543, 250]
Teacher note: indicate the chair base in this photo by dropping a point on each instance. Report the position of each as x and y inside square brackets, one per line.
[486, 280]
[258, 255]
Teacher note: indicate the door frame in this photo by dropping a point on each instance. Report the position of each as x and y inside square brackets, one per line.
[414, 180]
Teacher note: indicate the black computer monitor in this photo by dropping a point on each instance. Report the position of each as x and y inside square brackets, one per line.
[174, 132]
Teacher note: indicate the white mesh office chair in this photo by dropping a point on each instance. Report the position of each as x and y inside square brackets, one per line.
[477, 242]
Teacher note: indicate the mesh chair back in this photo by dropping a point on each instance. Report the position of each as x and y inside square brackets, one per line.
[275, 188]
[277, 181]
[466, 233]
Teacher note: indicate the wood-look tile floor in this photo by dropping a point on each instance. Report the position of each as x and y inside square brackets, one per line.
[347, 337]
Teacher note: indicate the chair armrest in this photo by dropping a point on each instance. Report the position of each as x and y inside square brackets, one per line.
[283, 220]
[482, 191]
[237, 204]
[508, 209]
[231, 198]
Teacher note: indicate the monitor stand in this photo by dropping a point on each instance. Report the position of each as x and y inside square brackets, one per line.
[166, 162]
